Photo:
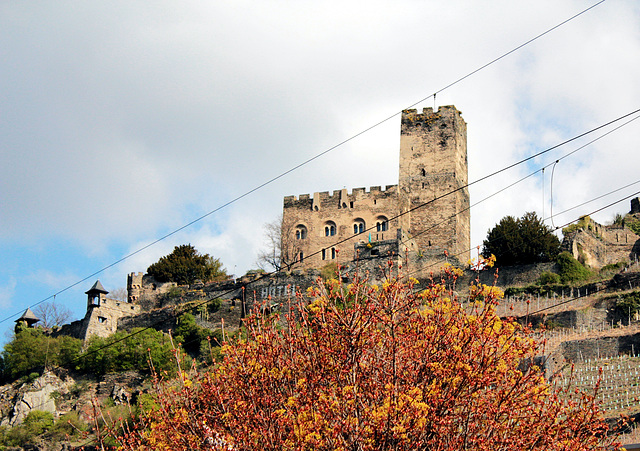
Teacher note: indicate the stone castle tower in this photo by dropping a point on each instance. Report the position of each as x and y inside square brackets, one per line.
[433, 193]
[430, 204]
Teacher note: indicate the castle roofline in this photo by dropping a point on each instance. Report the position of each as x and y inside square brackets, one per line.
[28, 316]
[338, 193]
[97, 287]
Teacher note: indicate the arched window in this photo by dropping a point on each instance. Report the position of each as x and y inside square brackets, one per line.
[333, 253]
[301, 232]
[382, 224]
[324, 254]
[329, 228]
[358, 226]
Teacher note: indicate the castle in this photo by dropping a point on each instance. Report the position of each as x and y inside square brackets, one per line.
[420, 222]
[428, 210]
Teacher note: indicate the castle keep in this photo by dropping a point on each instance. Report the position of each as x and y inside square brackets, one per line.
[429, 206]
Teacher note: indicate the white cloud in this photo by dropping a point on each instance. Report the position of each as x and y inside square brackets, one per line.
[7, 292]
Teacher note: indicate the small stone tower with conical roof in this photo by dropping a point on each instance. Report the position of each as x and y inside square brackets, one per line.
[96, 295]
[28, 319]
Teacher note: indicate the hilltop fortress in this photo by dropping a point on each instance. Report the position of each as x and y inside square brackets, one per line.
[427, 211]
[418, 224]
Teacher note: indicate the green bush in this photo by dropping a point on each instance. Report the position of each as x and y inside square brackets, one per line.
[38, 422]
[629, 303]
[548, 278]
[329, 271]
[124, 351]
[185, 265]
[27, 352]
[570, 269]
[66, 427]
[191, 336]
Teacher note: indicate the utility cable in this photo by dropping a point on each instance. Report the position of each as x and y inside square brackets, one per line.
[277, 177]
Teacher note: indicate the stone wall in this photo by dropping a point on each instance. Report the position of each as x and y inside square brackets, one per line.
[308, 221]
[578, 350]
[102, 320]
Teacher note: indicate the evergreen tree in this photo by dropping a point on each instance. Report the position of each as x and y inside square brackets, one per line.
[185, 265]
[520, 241]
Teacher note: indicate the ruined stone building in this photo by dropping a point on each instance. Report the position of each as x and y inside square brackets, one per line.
[427, 211]
[598, 245]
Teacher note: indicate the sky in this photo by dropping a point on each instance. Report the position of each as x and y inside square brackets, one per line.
[123, 121]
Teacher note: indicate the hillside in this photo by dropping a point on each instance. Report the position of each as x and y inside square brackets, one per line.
[585, 328]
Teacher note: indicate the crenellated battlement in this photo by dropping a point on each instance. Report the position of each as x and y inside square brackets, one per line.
[338, 196]
[411, 117]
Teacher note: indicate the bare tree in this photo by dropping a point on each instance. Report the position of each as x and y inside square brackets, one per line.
[119, 294]
[52, 314]
[281, 251]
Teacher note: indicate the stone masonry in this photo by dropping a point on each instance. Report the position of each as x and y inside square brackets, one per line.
[430, 204]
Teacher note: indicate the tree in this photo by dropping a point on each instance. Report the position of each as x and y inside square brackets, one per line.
[362, 367]
[520, 241]
[282, 251]
[185, 265]
[119, 294]
[52, 314]
[31, 350]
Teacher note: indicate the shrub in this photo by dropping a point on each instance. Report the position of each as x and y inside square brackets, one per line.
[548, 278]
[374, 368]
[629, 303]
[185, 265]
[66, 427]
[38, 422]
[329, 271]
[125, 351]
[570, 269]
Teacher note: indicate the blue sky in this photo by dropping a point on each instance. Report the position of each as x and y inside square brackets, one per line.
[123, 121]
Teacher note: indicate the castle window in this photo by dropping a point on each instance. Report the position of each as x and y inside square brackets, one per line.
[382, 224]
[358, 226]
[333, 253]
[344, 205]
[329, 228]
[324, 254]
[301, 256]
[301, 232]
[351, 204]
[424, 172]
[102, 319]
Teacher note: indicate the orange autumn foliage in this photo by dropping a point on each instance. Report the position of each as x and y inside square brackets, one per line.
[361, 367]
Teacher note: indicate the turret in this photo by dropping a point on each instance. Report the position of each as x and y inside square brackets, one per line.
[96, 295]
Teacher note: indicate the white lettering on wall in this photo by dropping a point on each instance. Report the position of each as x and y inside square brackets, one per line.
[277, 291]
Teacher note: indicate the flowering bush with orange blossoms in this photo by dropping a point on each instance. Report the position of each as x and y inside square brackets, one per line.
[355, 368]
